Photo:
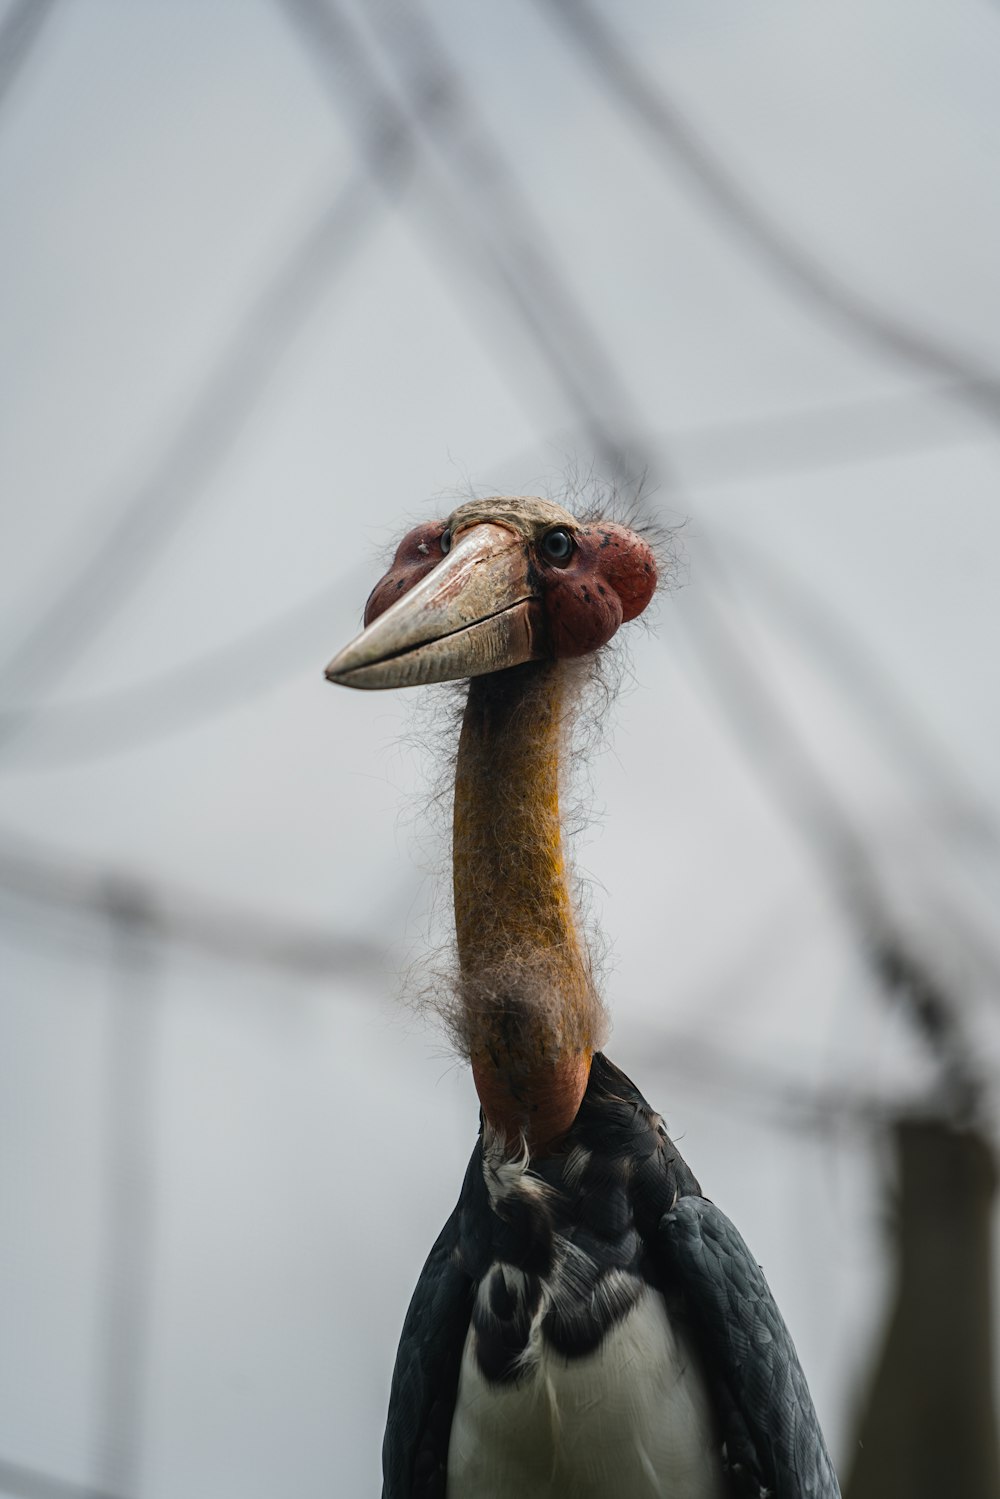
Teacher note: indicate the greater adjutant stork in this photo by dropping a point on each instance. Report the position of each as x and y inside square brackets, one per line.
[587, 1324]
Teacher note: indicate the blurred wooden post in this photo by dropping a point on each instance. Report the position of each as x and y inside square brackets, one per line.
[929, 1427]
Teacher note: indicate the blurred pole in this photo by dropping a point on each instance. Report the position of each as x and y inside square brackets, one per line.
[125, 1306]
[929, 1426]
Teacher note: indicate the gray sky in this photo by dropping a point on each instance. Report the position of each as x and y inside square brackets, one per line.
[158, 163]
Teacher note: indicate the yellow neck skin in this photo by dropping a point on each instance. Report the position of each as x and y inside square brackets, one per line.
[531, 1014]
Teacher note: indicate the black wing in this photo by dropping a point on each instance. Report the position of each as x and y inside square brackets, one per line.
[425, 1379]
[773, 1442]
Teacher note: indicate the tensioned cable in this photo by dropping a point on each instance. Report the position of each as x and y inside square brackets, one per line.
[302, 951]
[531, 286]
[19, 33]
[186, 696]
[221, 931]
[22, 1481]
[799, 270]
[868, 687]
[154, 508]
[66, 734]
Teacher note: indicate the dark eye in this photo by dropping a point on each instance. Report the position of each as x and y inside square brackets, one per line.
[557, 545]
[446, 541]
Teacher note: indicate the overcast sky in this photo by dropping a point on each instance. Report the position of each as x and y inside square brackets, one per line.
[162, 165]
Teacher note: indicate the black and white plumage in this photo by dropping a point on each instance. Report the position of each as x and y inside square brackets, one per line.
[587, 1325]
[535, 1275]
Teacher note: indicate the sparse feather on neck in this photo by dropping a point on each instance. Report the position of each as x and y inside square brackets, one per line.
[529, 1017]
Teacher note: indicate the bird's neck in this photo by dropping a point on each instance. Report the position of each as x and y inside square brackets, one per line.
[531, 1017]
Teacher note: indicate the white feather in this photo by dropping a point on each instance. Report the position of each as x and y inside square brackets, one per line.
[506, 1175]
[630, 1421]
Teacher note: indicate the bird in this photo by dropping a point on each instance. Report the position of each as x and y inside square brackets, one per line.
[587, 1324]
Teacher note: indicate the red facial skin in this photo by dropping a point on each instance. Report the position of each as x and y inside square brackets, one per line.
[610, 577]
[417, 553]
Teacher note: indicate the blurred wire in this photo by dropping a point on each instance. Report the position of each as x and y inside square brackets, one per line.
[23, 1482]
[770, 1095]
[155, 507]
[192, 921]
[141, 913]
[818, 438]
[798, 786]
[866, 687]
[65, 734]
[808, 439]
[71, 733]
[19, 33]
[525, 273]
[54, 933]
[797, 269]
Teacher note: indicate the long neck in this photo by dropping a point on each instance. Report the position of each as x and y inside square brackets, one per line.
[531, 1017]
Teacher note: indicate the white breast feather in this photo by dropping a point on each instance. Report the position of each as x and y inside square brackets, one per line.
[630, 1421]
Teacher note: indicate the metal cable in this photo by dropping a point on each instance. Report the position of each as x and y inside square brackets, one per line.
[798, 270]
[22, 26]
[152, 510]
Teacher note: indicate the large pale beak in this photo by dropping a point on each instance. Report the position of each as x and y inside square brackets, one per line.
[475, 612]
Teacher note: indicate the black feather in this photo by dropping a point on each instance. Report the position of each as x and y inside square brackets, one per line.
[614, 1210]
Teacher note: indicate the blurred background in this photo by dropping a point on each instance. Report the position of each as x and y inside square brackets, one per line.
[282, 277]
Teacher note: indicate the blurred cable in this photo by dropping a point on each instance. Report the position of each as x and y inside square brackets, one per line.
[153, 509]
[140, 913]
[74, 733]
[646, 103]
[46, 880]
[66, 734]
[840, 848]
[876, 700]
[53, 933]
[769, 1095]
[19, 33]
[865, 686]
[23, 1482]
[814, 439]
[529, 280]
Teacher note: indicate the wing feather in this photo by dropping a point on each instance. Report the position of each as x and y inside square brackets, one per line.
[773, 1442]
[424, 1381]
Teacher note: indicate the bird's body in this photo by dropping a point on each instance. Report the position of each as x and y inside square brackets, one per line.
[588, 1325]
[592, 1314]
[577, 1375]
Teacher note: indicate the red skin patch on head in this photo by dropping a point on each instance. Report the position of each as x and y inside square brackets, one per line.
[610, 577]
[417, 553]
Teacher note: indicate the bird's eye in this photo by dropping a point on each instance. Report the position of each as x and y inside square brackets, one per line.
[446, 541]
[557, 545]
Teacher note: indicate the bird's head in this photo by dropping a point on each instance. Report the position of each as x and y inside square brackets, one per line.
[501, 581]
